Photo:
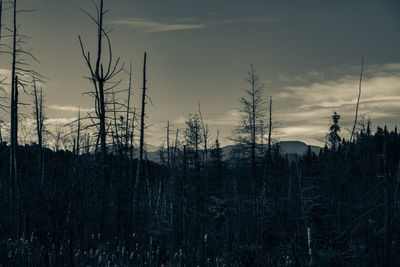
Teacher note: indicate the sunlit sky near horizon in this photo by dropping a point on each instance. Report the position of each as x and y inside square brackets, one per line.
[307, 53]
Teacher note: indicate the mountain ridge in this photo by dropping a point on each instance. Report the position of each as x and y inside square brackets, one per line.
[291, 148]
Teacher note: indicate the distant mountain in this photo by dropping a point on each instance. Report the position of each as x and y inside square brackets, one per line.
[291, 148]
[286, 147]
[296, 147]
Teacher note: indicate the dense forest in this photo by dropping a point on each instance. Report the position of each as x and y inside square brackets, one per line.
[195, 208]
[88, 196]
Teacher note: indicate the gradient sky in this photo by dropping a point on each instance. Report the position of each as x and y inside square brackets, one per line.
[308, 54]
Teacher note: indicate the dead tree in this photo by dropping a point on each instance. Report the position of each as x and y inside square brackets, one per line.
[252, 111]
[132, 133]
[270, 125]
[14, 198]
[253, 108]
[14, 183]
[358, 100]
[78, 134]
[357, 105]
[205, 134]
[39, 117]
[19, 68]
[168, 152]
[116, 130]
[141, 142]
[127, 126]
[175, 150]
[101, 73]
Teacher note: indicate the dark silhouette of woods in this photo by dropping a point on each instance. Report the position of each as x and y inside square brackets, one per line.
[99, 201]
[315, 210]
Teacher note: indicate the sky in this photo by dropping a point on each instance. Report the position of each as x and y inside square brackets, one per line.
[307, 54]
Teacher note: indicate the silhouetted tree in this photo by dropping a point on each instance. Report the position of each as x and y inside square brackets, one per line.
[141, 141]
[253, 108]
[101, 73]
[333, 136]
[39, 117]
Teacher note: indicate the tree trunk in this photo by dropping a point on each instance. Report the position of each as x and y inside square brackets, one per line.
[168, 154]
[127, 112]
[78, 135]
[270, 125]
[141, 144]
[39, 127]
[14, 198]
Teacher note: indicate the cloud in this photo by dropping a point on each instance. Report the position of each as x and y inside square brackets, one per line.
[294, 132]
[69, 108]
[179, 120]
[148, 25]
[315, 101]
[229, 118]
[59, 121]
[303, 112]
[344, 91]
[181, 24]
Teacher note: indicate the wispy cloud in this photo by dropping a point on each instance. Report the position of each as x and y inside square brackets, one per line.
[303, 112]
[315, 101]
[228, 119]
[59, 121]
[148, 25]
[69, 108]
[181, 24]
[344, 91]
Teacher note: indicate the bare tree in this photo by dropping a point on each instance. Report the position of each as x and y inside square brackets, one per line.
[270, 125]
[358, 100]
[20, 72]
[132, 133]
[14, 188]
[101, 73]
[204, 129]
[142, 126]
[78, 134]
[357, 105]
[14, 106]
[39, 117]
[168, 152]
[253, 108]
[127, 125]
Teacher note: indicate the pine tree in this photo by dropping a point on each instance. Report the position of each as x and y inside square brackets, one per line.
[333, 136]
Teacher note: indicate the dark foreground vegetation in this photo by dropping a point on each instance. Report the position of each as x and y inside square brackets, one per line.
[198, 209]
